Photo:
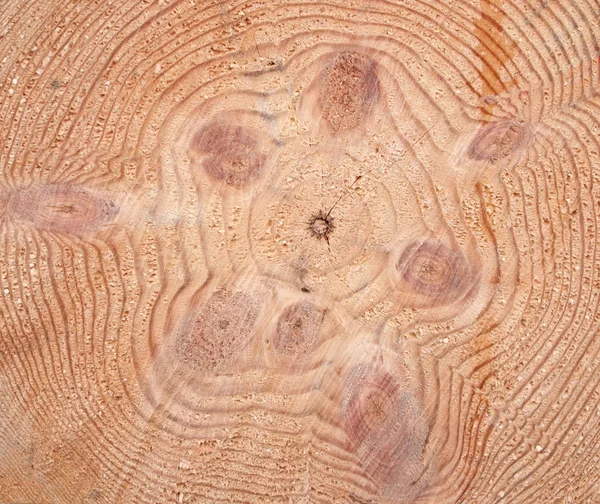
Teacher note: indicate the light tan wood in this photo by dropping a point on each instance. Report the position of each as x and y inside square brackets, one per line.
[293, 252]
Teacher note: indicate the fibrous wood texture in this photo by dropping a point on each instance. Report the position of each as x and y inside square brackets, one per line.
[276, 251]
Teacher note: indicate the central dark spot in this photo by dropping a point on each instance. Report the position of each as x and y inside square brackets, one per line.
[67, 209]
[321, 225]
[298, 329]
[376, 408]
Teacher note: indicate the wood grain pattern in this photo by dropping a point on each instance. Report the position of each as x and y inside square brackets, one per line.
[333, 252]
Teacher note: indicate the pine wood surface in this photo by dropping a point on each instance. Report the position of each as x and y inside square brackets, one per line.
[299, 252]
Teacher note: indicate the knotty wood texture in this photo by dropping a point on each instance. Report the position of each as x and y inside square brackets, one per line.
[337, 252]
